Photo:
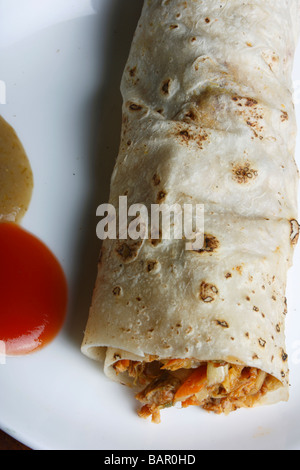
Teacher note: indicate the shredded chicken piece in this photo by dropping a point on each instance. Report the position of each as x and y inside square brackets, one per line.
[176, 364]
[121, 366]
[161, 391]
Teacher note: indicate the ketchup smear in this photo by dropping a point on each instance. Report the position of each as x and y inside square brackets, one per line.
[33, 292]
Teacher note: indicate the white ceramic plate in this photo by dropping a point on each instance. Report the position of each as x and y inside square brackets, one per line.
[62, 61]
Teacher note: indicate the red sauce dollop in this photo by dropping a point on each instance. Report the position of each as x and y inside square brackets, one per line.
[33, 292]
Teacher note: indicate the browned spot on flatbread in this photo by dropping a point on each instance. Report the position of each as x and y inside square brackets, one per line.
[222, 323]
[243, 173]
[156, 179]
[284, 356]
[246, 100]
[208, 292]
[190, 115]
[132, 72]
[252, 113]
[155, 241]
[117, 291]
[294, 231]
[210, 245]
[250, 102]
[152, 265]
[166, 86]
[161, 196]
[128, 251]
[187, 137]
[135, 107]
[239, 270]
[270, 58]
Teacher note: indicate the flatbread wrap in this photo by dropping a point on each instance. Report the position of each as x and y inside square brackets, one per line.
[208, 118]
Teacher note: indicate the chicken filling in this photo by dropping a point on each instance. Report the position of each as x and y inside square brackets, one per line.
[214, 386]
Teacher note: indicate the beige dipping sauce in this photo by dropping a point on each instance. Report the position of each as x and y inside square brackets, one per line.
[16, 178]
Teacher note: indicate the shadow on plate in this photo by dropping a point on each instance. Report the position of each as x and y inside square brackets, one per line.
[104, 114]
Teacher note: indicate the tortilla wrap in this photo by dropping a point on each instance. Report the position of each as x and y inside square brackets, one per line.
[208, 118]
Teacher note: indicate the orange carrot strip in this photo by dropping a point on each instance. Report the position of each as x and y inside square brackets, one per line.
[193, 384]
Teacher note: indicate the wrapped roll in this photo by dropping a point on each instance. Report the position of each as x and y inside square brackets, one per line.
[208, 118]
